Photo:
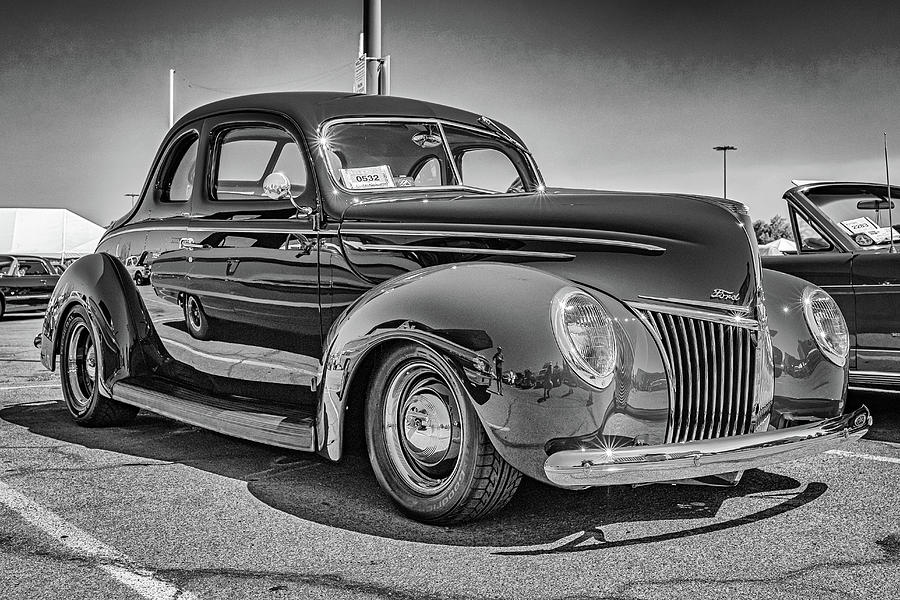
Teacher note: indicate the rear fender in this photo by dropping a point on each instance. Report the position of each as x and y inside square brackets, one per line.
[466, 312]
[808, 386]
[100, 285]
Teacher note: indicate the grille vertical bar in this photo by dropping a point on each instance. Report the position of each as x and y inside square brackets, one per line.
[714, 366]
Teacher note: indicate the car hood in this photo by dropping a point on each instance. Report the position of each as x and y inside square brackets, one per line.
[637, 245]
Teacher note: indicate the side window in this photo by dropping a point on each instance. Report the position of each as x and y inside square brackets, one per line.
[488, 169]
[33, 267]
[245, 156]
[177, 181]
[811, 239]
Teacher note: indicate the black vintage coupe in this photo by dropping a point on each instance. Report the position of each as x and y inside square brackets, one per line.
[844, 233]
[332, 268]
[25, 283]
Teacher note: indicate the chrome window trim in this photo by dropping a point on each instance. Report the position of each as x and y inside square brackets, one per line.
[496, 234]
[322, 130]
[450, 249]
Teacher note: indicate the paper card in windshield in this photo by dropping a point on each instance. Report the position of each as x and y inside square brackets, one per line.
[367, 178]
[860, 225]
[882, 235]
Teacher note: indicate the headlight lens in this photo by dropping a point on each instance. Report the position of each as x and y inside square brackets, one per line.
[825, 321]
[585, 335]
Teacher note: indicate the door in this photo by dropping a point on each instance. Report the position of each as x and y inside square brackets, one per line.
[876, 281]
[253, 263]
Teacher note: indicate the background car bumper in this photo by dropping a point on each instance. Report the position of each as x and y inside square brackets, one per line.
[648, 464]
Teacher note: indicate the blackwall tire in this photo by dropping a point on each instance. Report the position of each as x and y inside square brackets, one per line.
[195, 318]
[79, 360]
[427, 447]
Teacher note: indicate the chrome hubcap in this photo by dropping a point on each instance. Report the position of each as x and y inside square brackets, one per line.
[81, 367]
[422, 427]
[194, 313]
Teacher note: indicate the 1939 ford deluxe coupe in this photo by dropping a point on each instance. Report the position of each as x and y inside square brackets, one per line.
[330, 268]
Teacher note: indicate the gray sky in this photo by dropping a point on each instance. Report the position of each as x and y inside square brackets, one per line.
[610, 95]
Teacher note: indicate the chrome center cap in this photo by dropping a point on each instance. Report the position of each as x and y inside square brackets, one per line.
[426, 427]
[91, 360]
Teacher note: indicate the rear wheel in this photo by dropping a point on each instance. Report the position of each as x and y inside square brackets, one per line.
[2, 306]
[79, 370]
[426, 444]
[195, 318]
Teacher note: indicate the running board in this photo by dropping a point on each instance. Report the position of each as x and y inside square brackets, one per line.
[285, 428]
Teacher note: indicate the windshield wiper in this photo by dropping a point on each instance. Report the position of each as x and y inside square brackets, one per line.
[499, 131]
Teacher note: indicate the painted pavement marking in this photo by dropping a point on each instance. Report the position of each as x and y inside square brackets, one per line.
[875, 457]
[109, 560]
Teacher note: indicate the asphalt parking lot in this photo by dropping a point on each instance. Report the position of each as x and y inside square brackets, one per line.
[159, 509]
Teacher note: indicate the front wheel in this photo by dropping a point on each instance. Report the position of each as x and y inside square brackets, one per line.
[79, 369]
[426, 444]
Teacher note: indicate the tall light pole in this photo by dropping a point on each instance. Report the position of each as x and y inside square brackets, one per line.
[133, 197]
[724, 150]
[372, 44]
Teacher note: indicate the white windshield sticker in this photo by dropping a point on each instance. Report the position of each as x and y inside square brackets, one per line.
[365, 178]
[860, 225]
[882, 235]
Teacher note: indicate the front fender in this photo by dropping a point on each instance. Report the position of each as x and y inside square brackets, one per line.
[808, 386]
[466, 312]
[100, 284]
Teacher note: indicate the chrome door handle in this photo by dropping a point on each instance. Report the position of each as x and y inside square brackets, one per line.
[188, 244]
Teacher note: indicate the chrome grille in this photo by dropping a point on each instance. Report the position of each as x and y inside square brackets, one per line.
[713, 364]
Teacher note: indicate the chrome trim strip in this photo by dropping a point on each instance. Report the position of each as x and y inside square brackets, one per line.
[649, 464]
[733, 320]
[13, 298]
[503, 235]
[449, 249]
[883, 375]
[189, 229]
[700, 303]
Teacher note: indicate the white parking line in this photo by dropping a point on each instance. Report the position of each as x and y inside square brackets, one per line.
[108, 559]
[28, 387]
[875, 457]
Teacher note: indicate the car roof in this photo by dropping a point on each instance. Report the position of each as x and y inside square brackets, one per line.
[309, 109]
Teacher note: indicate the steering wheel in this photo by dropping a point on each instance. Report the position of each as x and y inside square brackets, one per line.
[516, 186]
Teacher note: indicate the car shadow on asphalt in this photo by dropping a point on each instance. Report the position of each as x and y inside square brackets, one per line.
[540, 519]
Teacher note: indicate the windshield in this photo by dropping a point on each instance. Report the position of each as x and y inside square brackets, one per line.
[863, 214]
[372, 155]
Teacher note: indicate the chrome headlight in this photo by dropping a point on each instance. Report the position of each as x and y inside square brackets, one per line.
[825, 321]
[585, 335]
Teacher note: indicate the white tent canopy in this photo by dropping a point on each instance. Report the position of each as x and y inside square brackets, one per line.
[51, 232]
[777, 248]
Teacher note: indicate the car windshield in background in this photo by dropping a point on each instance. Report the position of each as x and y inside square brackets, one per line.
[862, 214]
[416, 154]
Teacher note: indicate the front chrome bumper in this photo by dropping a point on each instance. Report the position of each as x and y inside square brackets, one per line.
[649, 464]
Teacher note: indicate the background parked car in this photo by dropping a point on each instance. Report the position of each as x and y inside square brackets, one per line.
[843, 232]
[25, 283]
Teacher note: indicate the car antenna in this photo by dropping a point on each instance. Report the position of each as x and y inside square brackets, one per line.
[887, 176]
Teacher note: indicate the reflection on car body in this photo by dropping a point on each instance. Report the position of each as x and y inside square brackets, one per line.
[329, 266]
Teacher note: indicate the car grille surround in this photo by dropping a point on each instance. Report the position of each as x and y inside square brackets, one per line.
[713, 367]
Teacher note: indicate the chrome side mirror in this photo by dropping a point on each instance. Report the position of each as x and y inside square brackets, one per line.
[277, 186]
